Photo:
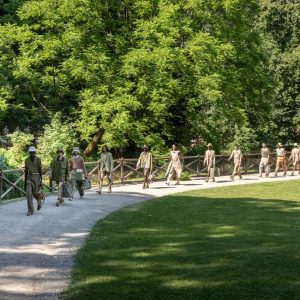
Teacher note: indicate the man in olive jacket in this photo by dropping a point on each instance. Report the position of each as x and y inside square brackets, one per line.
[33, 179]
[59, 170]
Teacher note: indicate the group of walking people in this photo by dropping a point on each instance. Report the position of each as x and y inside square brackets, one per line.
[70, 174]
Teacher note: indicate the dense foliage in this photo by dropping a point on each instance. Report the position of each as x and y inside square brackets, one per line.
[152, 71]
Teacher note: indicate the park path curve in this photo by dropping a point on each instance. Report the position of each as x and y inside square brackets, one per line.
[36, 252]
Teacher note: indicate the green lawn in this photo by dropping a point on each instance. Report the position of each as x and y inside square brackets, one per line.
[238, 242]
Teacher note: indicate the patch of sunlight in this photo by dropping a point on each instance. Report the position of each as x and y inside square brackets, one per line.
[147, 230]
[189, 283]
[226, 228]
[141, 254]
[221, 235]
[290, 209]
[97, 279]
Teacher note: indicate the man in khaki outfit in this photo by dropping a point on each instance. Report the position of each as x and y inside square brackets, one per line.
[33, 179]
[237, 156]
[105, 169]
[210, 162]
[295, 158]
[174, 165]
[145, 162]
[265, 160]
[281, 161]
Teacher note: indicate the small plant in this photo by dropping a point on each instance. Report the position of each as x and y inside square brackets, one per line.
[185, 176]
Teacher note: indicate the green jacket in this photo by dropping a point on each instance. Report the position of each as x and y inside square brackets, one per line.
[106, 162]
[59, 169]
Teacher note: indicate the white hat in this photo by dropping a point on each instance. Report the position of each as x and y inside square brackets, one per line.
[31, 149]
[295, 145]
[76, 149]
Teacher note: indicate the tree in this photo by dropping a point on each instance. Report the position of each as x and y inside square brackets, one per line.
[280, 22]
[58, 134]
[17, 153]
[135, 72]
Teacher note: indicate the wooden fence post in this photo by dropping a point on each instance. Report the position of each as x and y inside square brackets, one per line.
[198, 165]
[222, 165]
[122, 169]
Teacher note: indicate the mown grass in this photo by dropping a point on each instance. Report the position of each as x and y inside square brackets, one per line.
[238, 242]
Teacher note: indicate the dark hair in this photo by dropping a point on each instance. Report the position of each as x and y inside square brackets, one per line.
[105, 148]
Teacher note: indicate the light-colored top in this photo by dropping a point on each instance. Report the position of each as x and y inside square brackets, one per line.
[175, 156]
[77, 162]
[145, 160]
[236, 155]
[280, 152]
[295, 154]
[106, 162]
[210, 158]
[265, 152]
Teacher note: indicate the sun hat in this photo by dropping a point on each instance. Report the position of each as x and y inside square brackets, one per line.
[76, 149]
[31, 149]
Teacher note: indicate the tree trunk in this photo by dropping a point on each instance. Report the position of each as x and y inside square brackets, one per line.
[94, 142]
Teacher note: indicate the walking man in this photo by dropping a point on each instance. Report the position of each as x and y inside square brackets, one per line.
[295, 158]
[59, 170]
[145, 162]
[174, 165]
[33, 179]
[210, 162]
[78, 172]
[237, 156]
[281, 161]
[264, 161]
[105, 168]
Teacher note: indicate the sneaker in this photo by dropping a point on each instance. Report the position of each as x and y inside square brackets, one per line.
[57, 203]
[241, 177]
[39, 205]
[206, 180]
[231, 177]
[70, 199]
[30, 213]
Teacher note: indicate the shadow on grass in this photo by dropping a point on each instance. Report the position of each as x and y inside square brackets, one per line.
[188, 247]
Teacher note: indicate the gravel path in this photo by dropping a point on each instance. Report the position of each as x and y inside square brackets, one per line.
[36, 252]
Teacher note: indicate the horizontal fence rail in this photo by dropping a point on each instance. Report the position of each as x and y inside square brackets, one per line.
[12, 180]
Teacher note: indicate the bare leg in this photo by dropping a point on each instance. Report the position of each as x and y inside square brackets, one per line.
[101, 177]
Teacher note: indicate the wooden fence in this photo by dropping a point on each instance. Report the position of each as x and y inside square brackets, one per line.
[12, 181]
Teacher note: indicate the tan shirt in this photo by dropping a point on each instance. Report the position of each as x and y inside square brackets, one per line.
[145, 160]
[280, 152]
[295, 154]
[210, 158]
[265, 152]
[236, 155]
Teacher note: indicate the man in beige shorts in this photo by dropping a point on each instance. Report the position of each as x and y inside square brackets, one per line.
[281, 161]
[264, 161]
[237, 156]
[210, 162]
[295, 158]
